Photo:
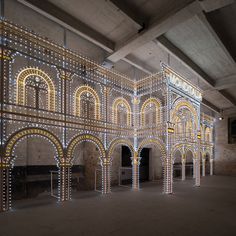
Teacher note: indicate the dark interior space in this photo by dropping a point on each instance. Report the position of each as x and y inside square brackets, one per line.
[144, 165]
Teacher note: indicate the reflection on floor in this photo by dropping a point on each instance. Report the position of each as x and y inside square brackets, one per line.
[208, 210]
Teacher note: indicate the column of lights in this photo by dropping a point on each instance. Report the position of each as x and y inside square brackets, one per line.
[47, 53]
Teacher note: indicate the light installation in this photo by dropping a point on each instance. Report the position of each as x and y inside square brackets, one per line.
[65, 98]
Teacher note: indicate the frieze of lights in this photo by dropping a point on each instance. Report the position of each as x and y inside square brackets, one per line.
[54, 93]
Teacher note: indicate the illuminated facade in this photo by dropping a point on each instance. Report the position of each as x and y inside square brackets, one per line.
[65, 98]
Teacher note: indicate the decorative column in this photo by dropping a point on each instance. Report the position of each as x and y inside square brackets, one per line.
[183, 169]
[203, 166]
[106, 176]
[64, 184]
[194, 168]
[211, 166]
[135, 171]
[197, 163]
[168, 165]
[5, 186]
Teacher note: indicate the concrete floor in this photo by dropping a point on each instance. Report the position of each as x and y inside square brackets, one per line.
[208, 210]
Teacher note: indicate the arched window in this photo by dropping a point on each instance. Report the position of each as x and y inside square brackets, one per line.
[121, 112]
[35, 89]
[151, 112]
[87, 103]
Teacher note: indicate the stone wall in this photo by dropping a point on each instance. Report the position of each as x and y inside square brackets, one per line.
[225, 153]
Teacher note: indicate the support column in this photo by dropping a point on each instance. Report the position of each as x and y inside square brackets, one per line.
[135, 171]
[203, 167]
[106, 176]
[211, 166]
[168, 165]
[183, 169]
[194, 168]
[5, 187]
[64, 182]
[197, 163]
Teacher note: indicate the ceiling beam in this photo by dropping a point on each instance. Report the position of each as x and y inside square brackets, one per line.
[201, 16]
[210, 105]
[179, 55]
[155, 29]
[226, 82]
[164, 43]
[130, 12]
[212, 5]
[69, 22]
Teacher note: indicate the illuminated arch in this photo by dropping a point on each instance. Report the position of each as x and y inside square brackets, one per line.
[183, 148]
[120, 141]
[85, 137]
[86, 89]
[156, 102]
[32, 131]
[21, 83]
[184, 104]
[122, 102]
[156, 142]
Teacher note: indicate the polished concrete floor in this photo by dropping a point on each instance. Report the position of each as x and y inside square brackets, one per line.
[208, 210]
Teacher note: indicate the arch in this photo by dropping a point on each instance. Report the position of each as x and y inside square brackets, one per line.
[77, 100]
[33, 131]
[174, 154]
[184, 104]
[21, 83]
[121, 141]
[85, 137]
[156, 142]
[183, 147]
[122, 102]
[147, 103]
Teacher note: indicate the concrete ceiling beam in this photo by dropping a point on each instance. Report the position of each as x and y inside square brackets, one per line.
[226, 82]
[155, 29]
[131, 13]
[69, 22]
[212, 5]
[164, 43]
[210, 106]
[179, 55]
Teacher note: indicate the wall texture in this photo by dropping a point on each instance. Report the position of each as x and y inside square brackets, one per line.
[225, 154]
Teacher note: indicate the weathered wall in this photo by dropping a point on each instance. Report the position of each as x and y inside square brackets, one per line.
[225, 154]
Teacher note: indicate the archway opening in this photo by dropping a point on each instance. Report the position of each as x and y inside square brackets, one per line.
[34, 173]
[207, 164]
[189, 164]
[177, 167]
[150, 168]
[86, 169]
[121, 167]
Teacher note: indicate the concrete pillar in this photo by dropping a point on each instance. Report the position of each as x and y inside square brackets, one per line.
[211, 166]
[106, 176]
[64, 182]
[183, 170]
[203, 167]
[135, 171]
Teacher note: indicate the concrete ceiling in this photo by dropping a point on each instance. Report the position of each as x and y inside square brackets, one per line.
[195, 37]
